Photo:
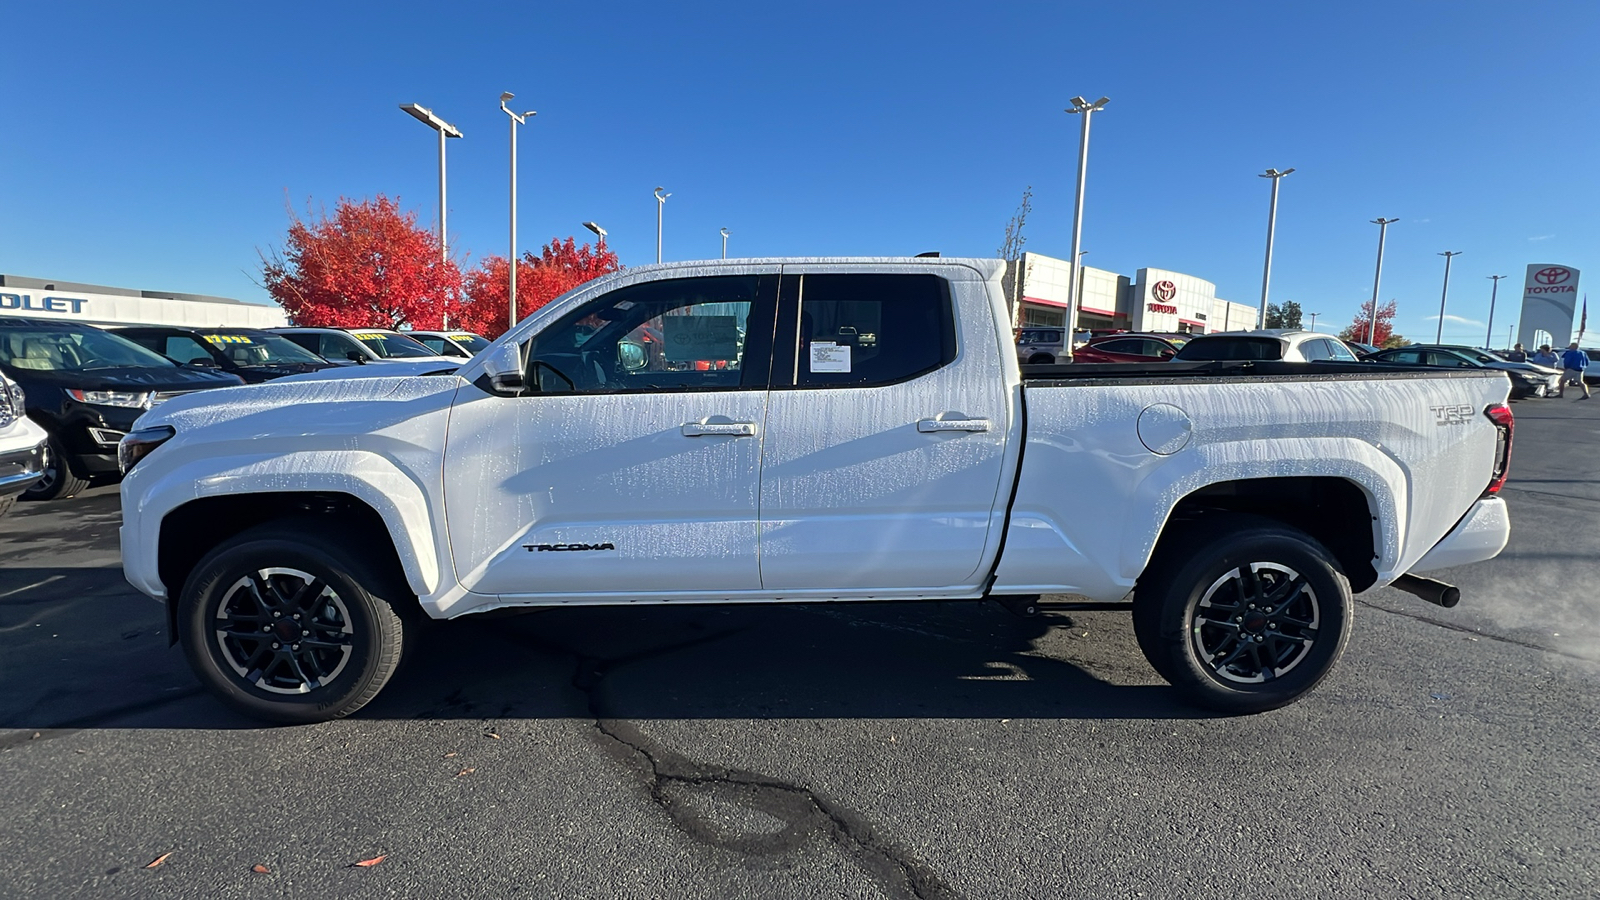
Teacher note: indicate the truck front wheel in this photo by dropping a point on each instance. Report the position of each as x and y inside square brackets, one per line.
[288, 622]
[1244, 621]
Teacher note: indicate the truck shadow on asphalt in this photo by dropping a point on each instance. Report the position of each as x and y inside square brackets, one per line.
[80, 649]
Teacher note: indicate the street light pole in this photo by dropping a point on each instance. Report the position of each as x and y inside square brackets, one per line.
[1372, 324]
[725, 234]
[446, 130]
[1438, 337]
[1488, 338]
[512, 257]
[599, 234]
[661, 204]
[1272, 223]
[1313, 321]
[1087, 110]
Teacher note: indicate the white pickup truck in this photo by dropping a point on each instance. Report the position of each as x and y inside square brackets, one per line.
[794, 431]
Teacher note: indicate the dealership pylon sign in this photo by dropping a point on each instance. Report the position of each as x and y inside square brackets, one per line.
[1549, 299]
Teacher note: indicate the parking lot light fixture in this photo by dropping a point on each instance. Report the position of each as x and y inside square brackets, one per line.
[1313, 320]
[661, 203]
[511, 267]
[1488, 337]
[725, 233]
[446, 130]
[1438, 337]
[1272, 222]
[1082, 107]
[1372, 324]
[599, 233]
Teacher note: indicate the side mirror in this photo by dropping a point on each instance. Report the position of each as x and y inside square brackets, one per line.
[1166, 354]
[203, 361]
[356, 357]
[632, 356]
[504, 368]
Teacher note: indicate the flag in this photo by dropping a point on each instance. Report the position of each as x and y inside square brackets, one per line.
[1583, 323]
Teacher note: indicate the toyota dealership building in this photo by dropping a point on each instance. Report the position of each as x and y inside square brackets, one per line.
[1153, 300]
[93, 304]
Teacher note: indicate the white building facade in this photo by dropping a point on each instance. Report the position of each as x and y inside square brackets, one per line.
[38, 298]
[1157, 300]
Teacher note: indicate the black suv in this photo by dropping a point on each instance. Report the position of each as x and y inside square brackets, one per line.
[249, 353]
[86, 387]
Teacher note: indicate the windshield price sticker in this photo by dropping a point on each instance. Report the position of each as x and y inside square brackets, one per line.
[693, 338]
[827, 356]
[228, 339]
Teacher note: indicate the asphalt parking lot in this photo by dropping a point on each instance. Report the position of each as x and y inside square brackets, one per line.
[908, 750]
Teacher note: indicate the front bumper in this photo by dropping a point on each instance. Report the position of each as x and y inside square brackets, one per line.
[19, 469]
[1481, 534]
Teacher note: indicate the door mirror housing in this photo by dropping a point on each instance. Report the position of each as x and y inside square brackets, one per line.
[358, 358]
[504, 369]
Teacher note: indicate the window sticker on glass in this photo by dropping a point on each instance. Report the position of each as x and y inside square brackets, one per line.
[693, 338]
[827, 356]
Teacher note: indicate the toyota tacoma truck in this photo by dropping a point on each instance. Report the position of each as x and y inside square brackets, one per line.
[804, 430]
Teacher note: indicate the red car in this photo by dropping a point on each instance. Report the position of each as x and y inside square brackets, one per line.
[1124, 348]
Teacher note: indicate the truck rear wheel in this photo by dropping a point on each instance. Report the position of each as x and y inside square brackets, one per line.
[1246, 620]
[288, 622]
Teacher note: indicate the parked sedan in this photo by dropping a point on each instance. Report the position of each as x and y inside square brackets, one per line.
[1267, 345]
[359, 345]
[455, 344]
[1552, 376]
[249, 353]
[1527, 380]
[1118, 348]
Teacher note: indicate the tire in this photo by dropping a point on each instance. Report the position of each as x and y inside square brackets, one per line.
[1041, 359]
[1291, 639]
[58, 482]
[360, 622]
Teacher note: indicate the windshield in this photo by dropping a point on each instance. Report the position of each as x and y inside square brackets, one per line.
[392, 346]
[260, 349]
[472, 342]
[1226, 348]
[72, 350]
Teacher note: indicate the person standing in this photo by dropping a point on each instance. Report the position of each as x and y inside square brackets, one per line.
[1545, 357]
[1573, 362]
[1517, 354]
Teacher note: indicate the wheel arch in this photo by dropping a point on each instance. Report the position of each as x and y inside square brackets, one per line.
[1337, 512]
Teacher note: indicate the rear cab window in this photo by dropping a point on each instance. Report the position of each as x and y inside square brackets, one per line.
[1206, 349]
[863, 330]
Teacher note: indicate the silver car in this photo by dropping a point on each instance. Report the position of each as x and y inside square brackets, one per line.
[1040, 345]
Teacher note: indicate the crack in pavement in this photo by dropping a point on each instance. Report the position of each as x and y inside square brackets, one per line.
[689, 792]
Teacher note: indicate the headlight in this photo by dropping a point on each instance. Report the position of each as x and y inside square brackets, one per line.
[136, 445]
[11, 400]
[134, 400]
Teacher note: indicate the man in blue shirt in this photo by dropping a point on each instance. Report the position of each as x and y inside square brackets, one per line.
[1573, 362]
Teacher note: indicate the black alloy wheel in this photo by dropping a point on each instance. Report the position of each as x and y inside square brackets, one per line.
[1243, 616]
[295, 622]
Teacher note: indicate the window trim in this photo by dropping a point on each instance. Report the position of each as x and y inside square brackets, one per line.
[786, 358]
[762, 308]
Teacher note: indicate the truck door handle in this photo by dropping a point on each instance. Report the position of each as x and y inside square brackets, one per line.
[732, 429]
[932, 426]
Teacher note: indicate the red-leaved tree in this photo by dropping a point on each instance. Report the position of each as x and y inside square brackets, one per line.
[1383, 333]
[367, 266]
[562, 266]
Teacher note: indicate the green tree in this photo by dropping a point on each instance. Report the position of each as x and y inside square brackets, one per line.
[1285, 316]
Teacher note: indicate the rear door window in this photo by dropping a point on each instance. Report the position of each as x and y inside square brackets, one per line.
[866, 330]
[1231, 348]
[1314, 350]
[185, 349]
[1337, 350]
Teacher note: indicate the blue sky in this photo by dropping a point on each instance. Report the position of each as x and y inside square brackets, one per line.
[158, 146]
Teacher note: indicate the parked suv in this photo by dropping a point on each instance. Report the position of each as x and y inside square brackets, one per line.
[359, 345]
[21, 445]
[457, 344]
[1122, 348]
[86, 387]
[1267, 345]
[250, 353]
[1041, 346]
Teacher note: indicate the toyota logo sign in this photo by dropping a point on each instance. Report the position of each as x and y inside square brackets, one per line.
[1551, 275]
[1166, 290]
